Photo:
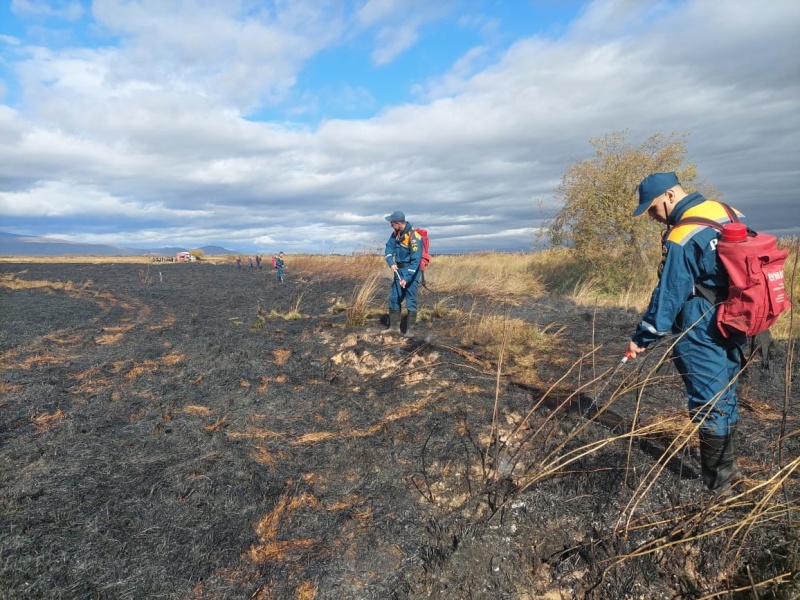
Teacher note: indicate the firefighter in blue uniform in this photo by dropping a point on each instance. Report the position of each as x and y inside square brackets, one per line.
[690, 276]
[403, 255]
[279, 264]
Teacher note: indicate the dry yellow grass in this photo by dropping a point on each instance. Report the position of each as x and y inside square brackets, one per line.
[788, 324]
[362, 298]
[352, 266]
[588, 293]
[490, 274]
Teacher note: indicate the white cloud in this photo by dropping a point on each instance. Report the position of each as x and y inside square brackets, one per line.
[10, 40]
[394, 40]
[69, 199]
[218, 50]
[398, 23]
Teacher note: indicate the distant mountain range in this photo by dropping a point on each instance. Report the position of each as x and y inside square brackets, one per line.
[12, 244]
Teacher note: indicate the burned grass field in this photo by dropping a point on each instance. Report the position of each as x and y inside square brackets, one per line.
[204, 432]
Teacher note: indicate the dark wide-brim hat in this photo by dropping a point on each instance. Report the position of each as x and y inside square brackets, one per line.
[652, 187]
[396, 216]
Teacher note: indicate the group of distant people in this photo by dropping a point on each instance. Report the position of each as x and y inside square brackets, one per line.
[277, 264]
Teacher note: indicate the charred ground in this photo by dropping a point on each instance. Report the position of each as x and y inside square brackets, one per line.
[171, 434]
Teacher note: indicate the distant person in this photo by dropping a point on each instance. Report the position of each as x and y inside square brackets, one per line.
[279, 264]
[250, 262]
[708, 363]
[403, 255]
[258, 261]
[238, 262]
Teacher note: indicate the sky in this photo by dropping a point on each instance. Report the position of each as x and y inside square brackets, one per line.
[298, 125]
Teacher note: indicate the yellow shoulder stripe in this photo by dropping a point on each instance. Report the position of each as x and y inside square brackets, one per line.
[707, 210]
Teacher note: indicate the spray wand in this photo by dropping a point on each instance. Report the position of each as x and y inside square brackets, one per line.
[628, 356]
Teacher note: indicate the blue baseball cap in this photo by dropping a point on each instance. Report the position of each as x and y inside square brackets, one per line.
[652, 187]
[396, 216]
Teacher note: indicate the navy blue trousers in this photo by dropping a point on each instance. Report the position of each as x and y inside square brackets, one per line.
[408, 294]
[709, 365]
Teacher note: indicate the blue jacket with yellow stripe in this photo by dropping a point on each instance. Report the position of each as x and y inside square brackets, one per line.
[405, 251]
[690, 257]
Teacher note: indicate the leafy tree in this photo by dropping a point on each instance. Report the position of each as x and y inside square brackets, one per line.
[197, 253]
[599, 195]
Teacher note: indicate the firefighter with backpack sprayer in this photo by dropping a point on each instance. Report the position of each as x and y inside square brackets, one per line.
[709, 363]
[403, 255]
[280, 266]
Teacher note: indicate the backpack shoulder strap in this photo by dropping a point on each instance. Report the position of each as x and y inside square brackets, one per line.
[699, 221]
[734, 218]
[412, 233]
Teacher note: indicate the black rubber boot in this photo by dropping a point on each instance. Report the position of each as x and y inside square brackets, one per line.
[394, 321]
[411, 323]
[718, 461]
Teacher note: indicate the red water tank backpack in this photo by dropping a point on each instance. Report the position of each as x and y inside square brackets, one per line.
[754, 264]
[426, 255]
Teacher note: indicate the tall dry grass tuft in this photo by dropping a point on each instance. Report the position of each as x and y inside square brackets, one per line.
[358, 309]
[496, 333]
[293, 314]
[493, 330]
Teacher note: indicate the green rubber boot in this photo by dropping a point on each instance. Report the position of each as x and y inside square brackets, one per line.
[394, 321]
[411, 323]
